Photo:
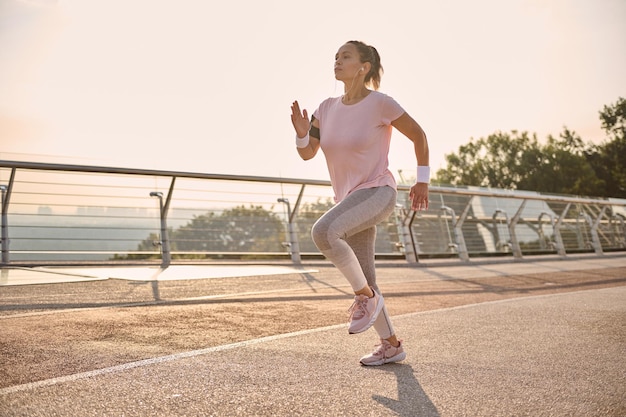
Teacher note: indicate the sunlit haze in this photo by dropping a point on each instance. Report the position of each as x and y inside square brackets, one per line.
[207, 86]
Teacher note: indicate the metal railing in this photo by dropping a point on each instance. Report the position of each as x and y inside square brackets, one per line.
[75, 213]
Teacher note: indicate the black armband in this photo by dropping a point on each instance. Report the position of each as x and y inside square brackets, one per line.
[314, 131]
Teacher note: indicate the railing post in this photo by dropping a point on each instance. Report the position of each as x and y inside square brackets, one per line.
[620, 241]
[458, 230]
[595, 241]
[4, 226]
[515, 247]
[457, 226]
[404, 221]
[292, 236]
[540, 233]
[6, 196]
[560, 246]
[166, 256]
[597, 245]
[496, 231]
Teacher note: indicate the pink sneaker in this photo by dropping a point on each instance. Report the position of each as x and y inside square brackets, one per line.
[364, 311]
[385, 353]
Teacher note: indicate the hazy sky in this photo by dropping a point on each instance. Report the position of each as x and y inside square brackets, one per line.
[206, 86]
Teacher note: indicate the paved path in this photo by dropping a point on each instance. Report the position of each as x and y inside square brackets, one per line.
[550, 355]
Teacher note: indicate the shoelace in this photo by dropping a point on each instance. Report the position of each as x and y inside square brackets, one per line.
[382, 349]
[357, 305]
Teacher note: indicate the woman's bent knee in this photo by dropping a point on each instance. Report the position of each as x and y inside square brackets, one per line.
[319, 234]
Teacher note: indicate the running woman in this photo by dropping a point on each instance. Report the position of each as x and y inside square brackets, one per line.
[354, 133]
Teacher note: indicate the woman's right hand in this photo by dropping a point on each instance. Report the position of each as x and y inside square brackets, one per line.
[300, 120]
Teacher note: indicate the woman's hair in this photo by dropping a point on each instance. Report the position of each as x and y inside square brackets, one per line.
[369, 54]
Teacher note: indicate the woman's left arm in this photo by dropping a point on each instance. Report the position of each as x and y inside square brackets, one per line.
[412, 130]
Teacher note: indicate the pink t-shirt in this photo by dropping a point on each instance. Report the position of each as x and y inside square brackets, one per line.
[355, 140]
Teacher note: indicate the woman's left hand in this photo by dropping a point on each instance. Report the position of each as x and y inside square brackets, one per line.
[419, 196]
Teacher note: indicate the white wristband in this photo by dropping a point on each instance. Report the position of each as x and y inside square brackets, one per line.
[423, 174]
[302, 142]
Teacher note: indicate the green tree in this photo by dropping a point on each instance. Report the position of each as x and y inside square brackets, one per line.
[609, 158]
[501, 160]
[562, 165]
[563, 168]
[519, 161]
[613, 118]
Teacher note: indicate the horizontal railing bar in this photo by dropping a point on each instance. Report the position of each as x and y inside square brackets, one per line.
[82, 252]
[509, 194]
[248, 178]
[42, 166]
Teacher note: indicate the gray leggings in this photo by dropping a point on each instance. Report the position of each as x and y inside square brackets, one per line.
[346, 235]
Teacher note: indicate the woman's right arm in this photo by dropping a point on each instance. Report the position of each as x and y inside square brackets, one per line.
[301, 124]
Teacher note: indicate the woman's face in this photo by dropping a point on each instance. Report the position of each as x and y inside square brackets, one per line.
[348, 63]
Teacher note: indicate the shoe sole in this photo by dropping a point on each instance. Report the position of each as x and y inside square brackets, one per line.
[379, 308]
[399, 357]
